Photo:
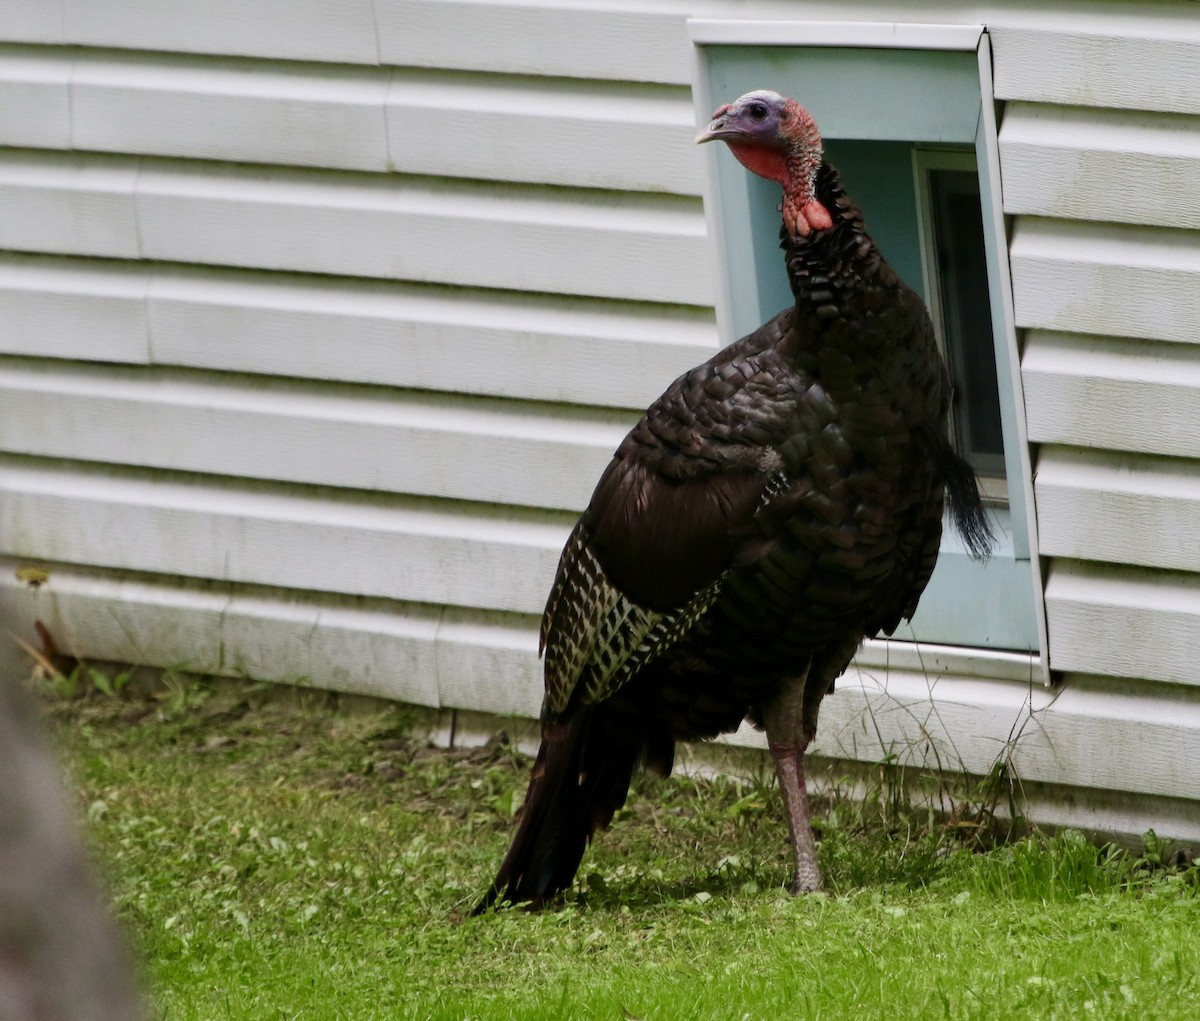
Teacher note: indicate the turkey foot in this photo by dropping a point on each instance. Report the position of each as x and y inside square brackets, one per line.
[789, 767]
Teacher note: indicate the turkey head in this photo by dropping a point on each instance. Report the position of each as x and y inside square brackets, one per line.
[776, 138]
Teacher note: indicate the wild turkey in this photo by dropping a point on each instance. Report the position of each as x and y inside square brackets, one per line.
[773, 507]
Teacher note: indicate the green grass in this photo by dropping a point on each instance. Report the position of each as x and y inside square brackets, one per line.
[295, 857]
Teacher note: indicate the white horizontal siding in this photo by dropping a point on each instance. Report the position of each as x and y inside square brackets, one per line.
[424, 655]
[622, 40]
[68, 203]
[362, 544]
[506, 344]
[591, 243]
[1117, 508]
[1138, 63]
[269, 635]
[606, 246]
[308, 115]
[32, 21]
[358, 331]
[393, 441]
[333, 30]
[492, 127]
[489, 662]
[1106, 279]
[62, 310]
[1058, 53]
[581, 134]
[1108, 620]
[1088, 391]
[1148, 743]
[1097, 164]
[35, 106]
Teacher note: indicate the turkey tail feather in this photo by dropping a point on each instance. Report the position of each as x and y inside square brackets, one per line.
[579, 780]
[966, 507]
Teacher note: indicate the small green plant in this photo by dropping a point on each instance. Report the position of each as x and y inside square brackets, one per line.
[65, 686]
[77, 681]
[82, 679]
[106, 685]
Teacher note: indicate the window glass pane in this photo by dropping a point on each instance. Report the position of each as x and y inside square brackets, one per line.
[966, 317]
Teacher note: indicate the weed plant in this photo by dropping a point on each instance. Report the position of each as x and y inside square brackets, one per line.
[280, 854]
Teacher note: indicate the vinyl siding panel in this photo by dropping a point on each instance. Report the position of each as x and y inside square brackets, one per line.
[432, 338]
[618, 40]
[1087, 391]
[1124, 509]
[523, 129]
[60, 310]
[1106, 279]
[332, 30]
[559, 132]
[1055, 51]
[304, 115]
[34, 98]
[1051, 738]
[451, 234]
[1098, 164]
[622, 40]
[68, 202]
[32, 21]
[272, 635]
[321, 318]
[1089, 65]
[1127, 622]
[353, 438]
[368, 544]
[425, 655]
[652, 248]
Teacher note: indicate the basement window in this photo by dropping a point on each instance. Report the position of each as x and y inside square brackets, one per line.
[907, 116]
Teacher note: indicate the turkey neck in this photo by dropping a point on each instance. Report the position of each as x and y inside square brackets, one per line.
[842, 287]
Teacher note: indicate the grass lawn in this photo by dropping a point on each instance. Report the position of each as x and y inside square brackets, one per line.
[293, 857]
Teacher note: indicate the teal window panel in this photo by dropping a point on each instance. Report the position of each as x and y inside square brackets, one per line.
[898, 95]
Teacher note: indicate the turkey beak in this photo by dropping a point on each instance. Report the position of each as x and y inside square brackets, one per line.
[716, 129]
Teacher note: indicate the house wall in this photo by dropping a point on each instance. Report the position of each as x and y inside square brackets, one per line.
[318, 320]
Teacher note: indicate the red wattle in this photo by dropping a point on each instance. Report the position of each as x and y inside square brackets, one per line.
[816, 215]
[767, 163]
